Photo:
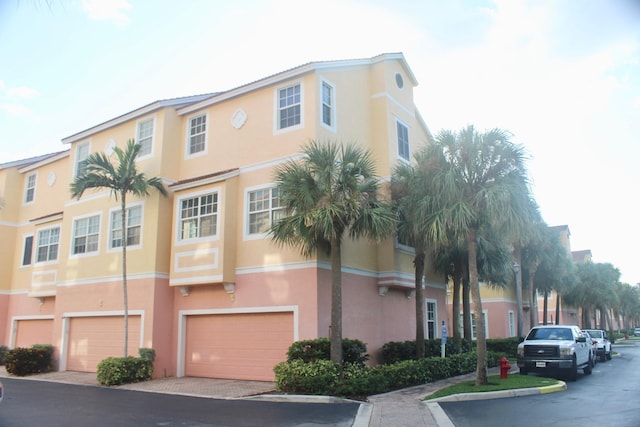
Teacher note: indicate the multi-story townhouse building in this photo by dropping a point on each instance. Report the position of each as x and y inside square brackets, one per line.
[208, 289]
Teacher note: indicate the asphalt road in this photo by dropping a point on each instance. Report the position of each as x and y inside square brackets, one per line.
[610, 397]
[39, 403]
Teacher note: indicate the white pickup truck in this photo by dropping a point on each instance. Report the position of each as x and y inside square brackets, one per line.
[555, 348]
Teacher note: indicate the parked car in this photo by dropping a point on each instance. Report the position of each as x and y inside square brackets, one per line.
[1, 392]
[603, 343]
[555, 348]
[636, 332]
[594, 347]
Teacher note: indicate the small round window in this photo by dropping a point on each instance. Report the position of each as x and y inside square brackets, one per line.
[399, 80]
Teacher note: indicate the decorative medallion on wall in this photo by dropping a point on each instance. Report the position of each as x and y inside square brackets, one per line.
[51, 179]
[239, 118]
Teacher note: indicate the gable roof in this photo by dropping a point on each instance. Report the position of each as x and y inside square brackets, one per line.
[156, 105]
[23, 163]
[297, 72]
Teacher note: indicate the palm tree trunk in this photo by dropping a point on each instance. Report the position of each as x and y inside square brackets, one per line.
[419, 271]
[545, 307]
[455, 311]
[336, 301]
[557, 308]
[124, 273]
[481, 340]
[533, 305]
[517, 252]
[466, 308]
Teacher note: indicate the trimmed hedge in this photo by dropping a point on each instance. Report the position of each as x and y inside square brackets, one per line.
[353, 351]
[124, 370]
[323, 377]
[28, 361]
[4, 351]
[396, 351]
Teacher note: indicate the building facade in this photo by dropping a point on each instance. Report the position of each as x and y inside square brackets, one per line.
[208, 290]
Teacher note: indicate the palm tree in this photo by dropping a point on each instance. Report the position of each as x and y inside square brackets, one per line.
[122, 179]
[332, 191]
[483, 180]
[417, 204]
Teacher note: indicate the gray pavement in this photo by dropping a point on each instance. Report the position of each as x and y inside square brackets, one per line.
[394, 409]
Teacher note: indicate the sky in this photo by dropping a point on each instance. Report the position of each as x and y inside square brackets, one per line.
[563, 76]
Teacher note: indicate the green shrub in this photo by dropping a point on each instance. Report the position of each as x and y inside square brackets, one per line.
[506, 346]
[27, 361]
[325, 377]
[147, 354]
[395, 351]
[353, 351]
[4, 351]
[124, 370]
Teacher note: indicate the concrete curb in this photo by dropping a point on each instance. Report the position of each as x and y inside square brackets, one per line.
[501, 394]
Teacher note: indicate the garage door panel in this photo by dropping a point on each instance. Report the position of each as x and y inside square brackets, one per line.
[92, 339]
[34, 331]
[237, 346]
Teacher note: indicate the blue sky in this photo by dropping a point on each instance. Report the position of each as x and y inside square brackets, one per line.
[562, 76]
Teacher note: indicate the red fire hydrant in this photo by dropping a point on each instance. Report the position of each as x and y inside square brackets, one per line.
[504, 368]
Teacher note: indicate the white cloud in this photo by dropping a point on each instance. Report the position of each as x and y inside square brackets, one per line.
[108, 10]
[15, 109]
[22, 92]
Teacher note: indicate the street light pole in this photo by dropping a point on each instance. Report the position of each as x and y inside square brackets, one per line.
[516, 270]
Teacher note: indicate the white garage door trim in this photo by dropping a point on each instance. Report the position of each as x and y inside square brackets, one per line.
[182, 324]
[66, 320]
[14, 325]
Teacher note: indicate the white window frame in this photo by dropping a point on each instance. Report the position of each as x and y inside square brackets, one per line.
[24, 249]
[248, 235]
[30, 188]
[278, 110]
[113, 226]
[87, 236]
[473, 325]
[49, 245]
[217, 192]
[331, 106]
[401, 143]
[81, 157]
[434, 321]
[207, 124]
[146, 141]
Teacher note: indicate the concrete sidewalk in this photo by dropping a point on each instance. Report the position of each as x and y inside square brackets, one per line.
[394, 409]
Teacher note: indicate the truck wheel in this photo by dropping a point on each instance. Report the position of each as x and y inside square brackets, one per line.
[608, 355]
[587, 369]
[573, 371]
[523, 371]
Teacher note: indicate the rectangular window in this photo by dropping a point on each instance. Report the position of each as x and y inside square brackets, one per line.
[264, 210]
[403, 141]
[82, 152]
[145, 137]
[48, 241]
[327, 104]
[30, 189]
[289, 106]
[134, 227]
[197, 134]
[198, 216]
[28, 250]
[85, 235]
[473, 326]
[432, 321]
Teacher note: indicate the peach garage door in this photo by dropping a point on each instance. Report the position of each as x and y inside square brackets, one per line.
[92, 339]
[34, 331]
[237, 346]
